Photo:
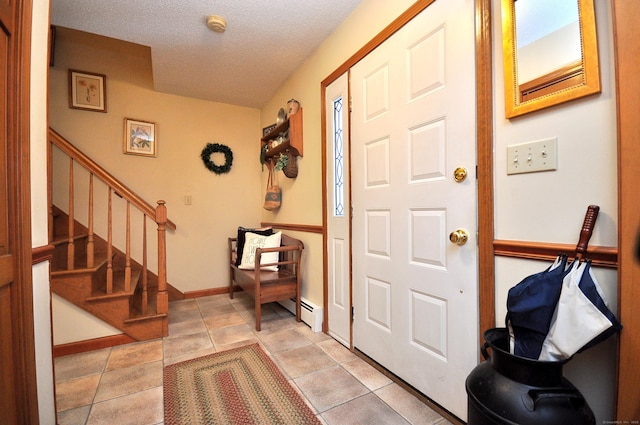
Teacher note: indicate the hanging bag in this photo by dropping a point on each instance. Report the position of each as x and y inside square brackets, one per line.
[273, 197]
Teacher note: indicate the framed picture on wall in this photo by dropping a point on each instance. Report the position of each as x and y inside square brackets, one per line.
[87, 91]
[140, 137]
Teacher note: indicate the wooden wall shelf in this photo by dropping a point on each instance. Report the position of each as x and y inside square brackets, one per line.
[292, 144]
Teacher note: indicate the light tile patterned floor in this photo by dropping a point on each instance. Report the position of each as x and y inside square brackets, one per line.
[123, 385]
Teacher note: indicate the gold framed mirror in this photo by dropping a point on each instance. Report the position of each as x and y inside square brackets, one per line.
[550, 53]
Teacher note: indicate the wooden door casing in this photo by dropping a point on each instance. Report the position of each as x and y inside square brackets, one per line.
[626, 39]
[18, 397]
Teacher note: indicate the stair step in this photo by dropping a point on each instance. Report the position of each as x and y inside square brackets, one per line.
[152, 319]
[99, 261]
[135, 313]
[63, 239]
[140, 318]
[86, 286]
[118, 287]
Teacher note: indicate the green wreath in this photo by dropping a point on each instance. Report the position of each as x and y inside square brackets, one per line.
[212, 148]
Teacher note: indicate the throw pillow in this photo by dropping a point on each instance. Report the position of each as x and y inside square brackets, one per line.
[265, 231]
[254, 241]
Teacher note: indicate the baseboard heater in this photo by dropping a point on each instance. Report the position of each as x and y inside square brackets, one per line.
[311, 313]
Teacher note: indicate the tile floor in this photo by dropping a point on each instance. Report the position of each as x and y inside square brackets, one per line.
[123, 385]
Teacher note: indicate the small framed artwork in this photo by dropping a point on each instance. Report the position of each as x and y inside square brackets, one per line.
[268, 130]
[140, 137]
[87, 91]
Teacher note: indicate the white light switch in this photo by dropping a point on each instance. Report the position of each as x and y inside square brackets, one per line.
[541, 155]
[187, 199]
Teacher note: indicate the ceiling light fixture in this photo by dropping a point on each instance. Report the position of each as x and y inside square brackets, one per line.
[216, 23]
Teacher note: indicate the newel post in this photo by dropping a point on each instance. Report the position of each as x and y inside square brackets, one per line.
[163, 296]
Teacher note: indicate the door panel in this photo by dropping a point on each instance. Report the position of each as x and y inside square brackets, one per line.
[428, 233]
[8, 403]
[413, 122]
[428, 151]
[426, 64]
[425, 308]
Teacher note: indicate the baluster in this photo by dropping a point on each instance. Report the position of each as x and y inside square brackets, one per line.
[71, 249]
[50, 191]
[109, 247]
[145, 294]
[127, 261]
[163, 296]
[90, 244]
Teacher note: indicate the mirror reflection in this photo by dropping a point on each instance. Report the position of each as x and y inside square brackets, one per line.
[547, 37]
[550, 52]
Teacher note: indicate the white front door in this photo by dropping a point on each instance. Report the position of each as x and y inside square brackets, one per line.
[339, 211]
[415, 293]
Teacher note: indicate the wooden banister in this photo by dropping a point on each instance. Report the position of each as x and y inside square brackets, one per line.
[93, 167]
[157, 214]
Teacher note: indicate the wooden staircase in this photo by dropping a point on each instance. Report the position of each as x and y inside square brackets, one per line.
[91, 272]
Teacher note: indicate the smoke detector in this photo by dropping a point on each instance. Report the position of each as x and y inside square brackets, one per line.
[216, 23]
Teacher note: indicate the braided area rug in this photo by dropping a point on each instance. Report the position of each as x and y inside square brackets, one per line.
[238, 386]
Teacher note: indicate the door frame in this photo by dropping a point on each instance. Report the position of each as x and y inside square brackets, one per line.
[627, 51]
[484, 154]
[18, 164]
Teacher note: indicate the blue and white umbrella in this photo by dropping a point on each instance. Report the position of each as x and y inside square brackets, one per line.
[582, 317]
[561, 311]
[530, 309]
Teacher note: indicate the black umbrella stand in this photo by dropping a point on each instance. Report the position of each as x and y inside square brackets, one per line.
[508, 389]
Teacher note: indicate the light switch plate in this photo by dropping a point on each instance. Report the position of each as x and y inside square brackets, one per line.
[531, 157]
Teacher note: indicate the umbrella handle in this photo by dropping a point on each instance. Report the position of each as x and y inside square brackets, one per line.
[587, 229]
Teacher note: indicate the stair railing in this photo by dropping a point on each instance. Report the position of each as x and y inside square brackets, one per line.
[157, 214]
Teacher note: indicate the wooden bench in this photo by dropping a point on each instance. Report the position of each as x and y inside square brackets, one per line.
[266, 286]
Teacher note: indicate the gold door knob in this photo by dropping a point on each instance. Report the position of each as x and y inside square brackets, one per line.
[460, 174]
[459, 237]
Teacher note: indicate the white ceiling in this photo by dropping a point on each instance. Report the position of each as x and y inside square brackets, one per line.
[264, 43]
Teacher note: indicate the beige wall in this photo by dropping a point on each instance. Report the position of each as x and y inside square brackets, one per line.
[197, 250]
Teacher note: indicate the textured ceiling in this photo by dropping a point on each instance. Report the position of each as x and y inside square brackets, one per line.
[264, 43]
